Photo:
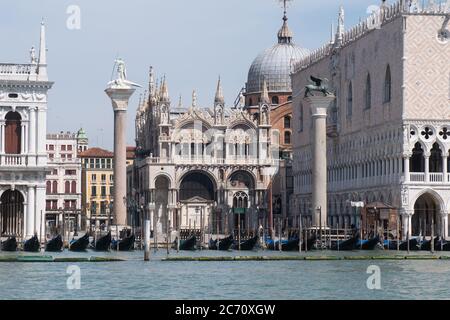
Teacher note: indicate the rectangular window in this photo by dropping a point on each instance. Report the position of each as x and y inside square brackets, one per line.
[94, 178]
[63, 148]
[97, 163]
[93, 191]
[51, 147]
[71, 172]
[103, 191]
[69, 147]
[103, 178]
[111, 190]
[91, 163]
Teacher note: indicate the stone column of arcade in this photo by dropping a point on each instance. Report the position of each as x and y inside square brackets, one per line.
[319, 101]
[120, 91]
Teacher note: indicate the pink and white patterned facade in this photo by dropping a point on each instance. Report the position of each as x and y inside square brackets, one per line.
[389, 131]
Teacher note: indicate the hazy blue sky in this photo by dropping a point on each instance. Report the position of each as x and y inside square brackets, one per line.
[192, 42]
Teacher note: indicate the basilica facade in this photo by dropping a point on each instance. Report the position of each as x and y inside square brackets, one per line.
[23, 155]
[388, 130]
[199, 168]
[219, 169]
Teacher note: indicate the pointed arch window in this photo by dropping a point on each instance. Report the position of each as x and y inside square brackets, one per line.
[350, 101]
[368, 92]
[388, 85]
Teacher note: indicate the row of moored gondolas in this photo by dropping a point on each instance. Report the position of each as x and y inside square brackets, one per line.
[106, 243]
[81, 244]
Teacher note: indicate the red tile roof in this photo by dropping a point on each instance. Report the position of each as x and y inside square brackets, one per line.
[96, 153]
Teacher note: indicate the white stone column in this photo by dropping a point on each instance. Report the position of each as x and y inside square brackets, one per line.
[445, 168]
[319, 105]
[444, 224]
[32, 133]
[120, 94]
[22, 139]
[40, 212]
[406, 160]
[427, 167]
[3, 137]
[31, 212]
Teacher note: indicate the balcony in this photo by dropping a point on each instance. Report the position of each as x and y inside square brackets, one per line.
[14, 160]
[428, 178]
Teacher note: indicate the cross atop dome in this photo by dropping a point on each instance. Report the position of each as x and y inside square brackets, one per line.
[285, 34]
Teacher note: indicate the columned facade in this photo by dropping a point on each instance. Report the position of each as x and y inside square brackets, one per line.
[205, 170]
[23, 158]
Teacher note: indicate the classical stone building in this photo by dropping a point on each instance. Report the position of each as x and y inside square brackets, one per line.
[23, 158]
[388, 132]
[202, 168]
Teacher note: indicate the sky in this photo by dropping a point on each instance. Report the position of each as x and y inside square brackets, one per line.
[191, 42]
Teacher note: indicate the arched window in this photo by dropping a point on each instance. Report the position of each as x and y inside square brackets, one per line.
[275, 100]
[436, 159]
[287, 122]
[55, 187]
[13, 133]
[289, 98]
[350, 100]
[287, 137]
[387, 86]
[49, 187]
[67, 187]
[368, 92]
[74, 187]
[417, 159]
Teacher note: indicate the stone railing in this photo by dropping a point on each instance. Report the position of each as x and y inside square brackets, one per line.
[13, 160]
[17, 69]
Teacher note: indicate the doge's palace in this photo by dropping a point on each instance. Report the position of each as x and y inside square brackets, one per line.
[389, 129]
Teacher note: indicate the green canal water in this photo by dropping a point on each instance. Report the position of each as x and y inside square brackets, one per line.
[236, 280]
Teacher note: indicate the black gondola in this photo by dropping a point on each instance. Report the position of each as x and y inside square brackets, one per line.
[368, 244]
[54, 245]
[426, 244]
[346, 245]
[186, 245]
[32, 245]
[103, 244]
[247, 245]
[79, 244]
[413, 245]
[442, 245]
[126, 244]
[10, 244]
[224, 244]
